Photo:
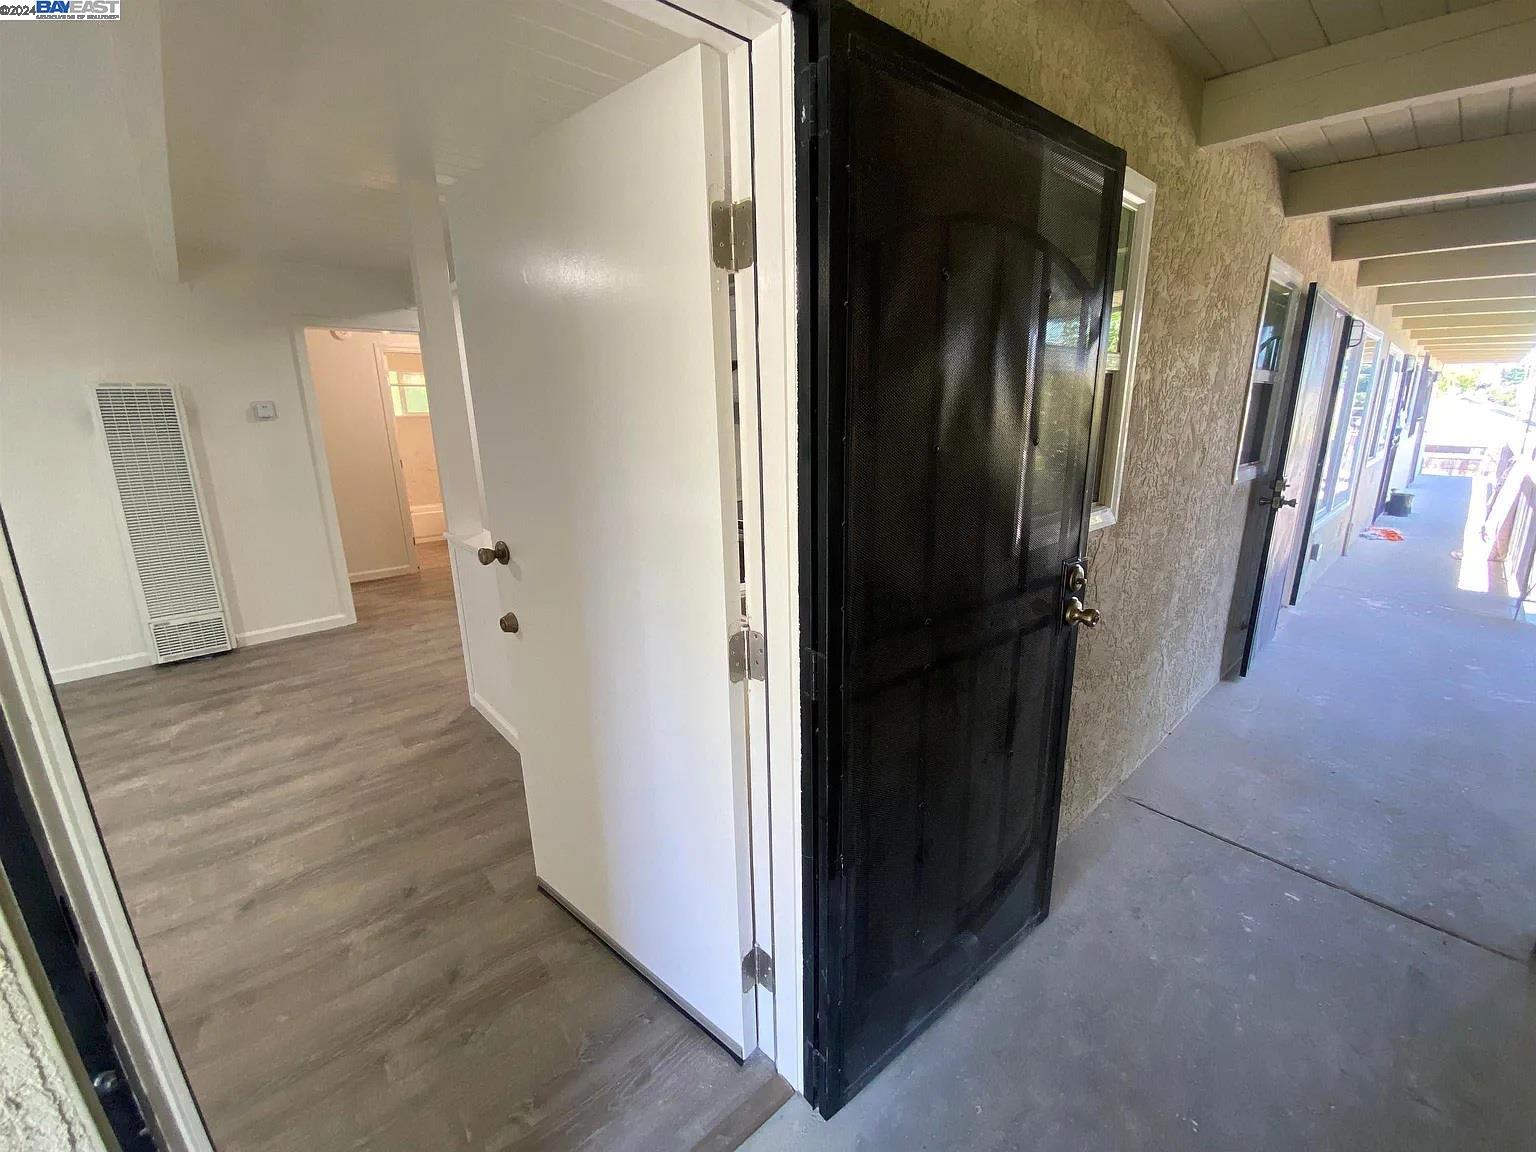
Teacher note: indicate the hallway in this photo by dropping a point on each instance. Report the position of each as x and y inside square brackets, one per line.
[1303, 922]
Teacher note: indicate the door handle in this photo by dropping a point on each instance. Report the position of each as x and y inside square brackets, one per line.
[509, 622]
[1077, 614]
[1277, 498]
[499, 554]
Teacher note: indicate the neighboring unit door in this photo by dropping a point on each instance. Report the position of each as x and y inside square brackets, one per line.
[1289, 499]
[970, 235]
[596, 340]
[1398, 423]
[1373, 451]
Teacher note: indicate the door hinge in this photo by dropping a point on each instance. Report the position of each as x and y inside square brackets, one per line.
[732, 234]
[756, 968]
[813, 674]
[748, 656]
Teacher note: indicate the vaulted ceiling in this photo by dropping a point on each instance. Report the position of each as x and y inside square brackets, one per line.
[1411, 124]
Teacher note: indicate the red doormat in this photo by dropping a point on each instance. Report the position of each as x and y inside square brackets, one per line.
[1381, 534]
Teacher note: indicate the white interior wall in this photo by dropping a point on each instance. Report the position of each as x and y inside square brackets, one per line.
[356, 417]
[72, 319]
[85, 297]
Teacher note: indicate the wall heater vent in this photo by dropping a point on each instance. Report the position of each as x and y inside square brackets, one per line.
[146, 437]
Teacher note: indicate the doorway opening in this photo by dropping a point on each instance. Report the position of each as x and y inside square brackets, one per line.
[372, 401]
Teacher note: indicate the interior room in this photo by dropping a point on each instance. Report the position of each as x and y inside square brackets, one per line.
[343, 601]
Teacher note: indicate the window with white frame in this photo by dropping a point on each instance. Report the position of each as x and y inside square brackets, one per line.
[1119, 360]
[407, 381]
[1274, 349]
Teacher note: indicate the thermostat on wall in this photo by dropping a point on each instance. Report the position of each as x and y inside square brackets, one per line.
[264, 410]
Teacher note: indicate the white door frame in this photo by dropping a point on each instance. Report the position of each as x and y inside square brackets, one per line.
[755, 38]
[392, 434]
[309, 401]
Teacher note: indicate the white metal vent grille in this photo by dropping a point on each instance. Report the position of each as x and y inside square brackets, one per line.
[146, 443]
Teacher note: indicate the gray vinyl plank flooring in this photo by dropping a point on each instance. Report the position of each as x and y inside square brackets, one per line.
[325, 854]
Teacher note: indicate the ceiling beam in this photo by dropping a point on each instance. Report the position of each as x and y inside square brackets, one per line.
[1511, 357]
[1436, 231]
[1497, 164]
[1462, 335]
[1481, 48]
[1464, 349]
[136, 55]
[1462, 264]
[1472, 309]
[1483, 340]
[1419, 323]
[1445, 291]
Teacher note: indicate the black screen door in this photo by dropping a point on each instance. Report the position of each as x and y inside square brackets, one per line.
[966, 239]
[1296, 470]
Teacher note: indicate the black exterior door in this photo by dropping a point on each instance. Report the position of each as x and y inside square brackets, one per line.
[965, 241]
[1398, 421]
[1290, 498]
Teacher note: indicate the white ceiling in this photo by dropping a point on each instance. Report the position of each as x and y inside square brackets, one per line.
[284, 118]
[1216, 37]
[1451, 121]
[80, 182]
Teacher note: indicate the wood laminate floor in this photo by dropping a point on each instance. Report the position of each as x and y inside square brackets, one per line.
[325, 854]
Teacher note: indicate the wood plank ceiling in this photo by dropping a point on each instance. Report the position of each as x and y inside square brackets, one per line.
[1367, 87]
[286, 120]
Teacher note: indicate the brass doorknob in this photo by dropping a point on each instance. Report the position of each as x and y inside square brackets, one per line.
[501, 553]
[1077, 614]
[509, 622]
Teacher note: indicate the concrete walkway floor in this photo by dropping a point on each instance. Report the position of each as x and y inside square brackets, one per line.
[1305, 922]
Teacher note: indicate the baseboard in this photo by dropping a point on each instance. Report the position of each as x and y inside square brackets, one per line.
[380, 573]
[300, 628]
[100, 667]
[497, 720]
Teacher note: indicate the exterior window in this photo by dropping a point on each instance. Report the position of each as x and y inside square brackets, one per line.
[1346, 430]
[1273, 359]
[1119, 358]
[407, 382]
[1388, 411]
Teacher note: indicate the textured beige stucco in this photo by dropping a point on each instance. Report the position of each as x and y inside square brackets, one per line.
[41, 1109]
[1163, 574]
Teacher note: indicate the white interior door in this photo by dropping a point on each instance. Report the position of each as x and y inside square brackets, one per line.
[597, 344]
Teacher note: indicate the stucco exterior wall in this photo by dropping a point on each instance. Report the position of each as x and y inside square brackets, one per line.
[41, 1109]
[1163, 574]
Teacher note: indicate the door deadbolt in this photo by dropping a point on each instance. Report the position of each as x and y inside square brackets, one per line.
[509, 622]
[500, 554]
[1277, 498]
